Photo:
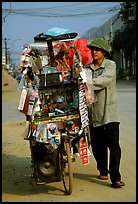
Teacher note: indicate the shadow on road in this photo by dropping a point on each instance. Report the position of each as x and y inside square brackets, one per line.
[91, 178]
[16, 177]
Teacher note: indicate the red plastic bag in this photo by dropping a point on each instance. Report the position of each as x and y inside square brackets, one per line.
[85, 52]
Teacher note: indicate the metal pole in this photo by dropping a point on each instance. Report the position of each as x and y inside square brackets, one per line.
[6, 53]
[111, 29]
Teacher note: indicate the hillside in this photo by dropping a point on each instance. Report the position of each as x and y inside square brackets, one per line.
[105, 29]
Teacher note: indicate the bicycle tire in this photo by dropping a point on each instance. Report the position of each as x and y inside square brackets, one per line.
[67, 174]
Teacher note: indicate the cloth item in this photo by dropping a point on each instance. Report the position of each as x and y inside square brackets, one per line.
[55, 31]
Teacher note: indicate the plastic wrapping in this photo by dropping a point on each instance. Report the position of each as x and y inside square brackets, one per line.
[22, 98]
[57, 31]
[85, 52]
[87, 79]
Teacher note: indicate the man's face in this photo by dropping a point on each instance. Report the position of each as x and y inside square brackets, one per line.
[97, 53]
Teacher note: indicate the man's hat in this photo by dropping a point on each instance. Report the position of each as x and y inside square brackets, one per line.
[99, 43]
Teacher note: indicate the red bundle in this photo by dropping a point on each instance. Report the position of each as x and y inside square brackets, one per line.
[85, 52]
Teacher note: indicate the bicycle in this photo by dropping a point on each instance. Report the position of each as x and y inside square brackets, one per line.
[60, 119]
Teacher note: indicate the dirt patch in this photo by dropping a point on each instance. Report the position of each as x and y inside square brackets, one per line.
[17, 185]
[8, 82]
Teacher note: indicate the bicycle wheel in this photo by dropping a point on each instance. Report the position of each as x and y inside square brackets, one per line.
[66, 166]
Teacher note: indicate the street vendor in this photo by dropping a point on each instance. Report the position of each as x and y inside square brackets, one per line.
[103, 115]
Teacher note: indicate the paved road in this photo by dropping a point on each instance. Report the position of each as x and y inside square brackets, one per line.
[87, 188]
[10, 109]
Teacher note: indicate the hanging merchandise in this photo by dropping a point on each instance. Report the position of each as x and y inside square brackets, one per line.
[40, 133]
[31, 105]
[84, 151]
[47, 133]
[52, 131]
[86, 75]
[83, 107]
[26, 104]
[22, 98]
[85, 52]
[54, 98]
[26, 48]
[37, 108]
[65, 55]
[32, 101]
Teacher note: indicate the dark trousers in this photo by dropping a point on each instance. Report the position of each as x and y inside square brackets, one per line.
[102, 138]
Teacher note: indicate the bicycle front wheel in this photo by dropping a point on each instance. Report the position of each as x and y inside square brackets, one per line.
[67, 174]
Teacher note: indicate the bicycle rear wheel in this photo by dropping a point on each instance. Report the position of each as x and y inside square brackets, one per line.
[66, 165]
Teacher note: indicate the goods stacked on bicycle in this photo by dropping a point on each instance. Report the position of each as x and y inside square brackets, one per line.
[54, 100]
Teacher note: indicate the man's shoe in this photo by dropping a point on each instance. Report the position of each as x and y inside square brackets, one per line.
[117, 184]
[103, 177]
[122, 183]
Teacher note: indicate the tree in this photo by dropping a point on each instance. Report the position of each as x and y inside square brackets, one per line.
[125, 38]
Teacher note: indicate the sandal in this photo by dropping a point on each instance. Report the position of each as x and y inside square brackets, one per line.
[122, 183]
[103, 177]
[117, 184]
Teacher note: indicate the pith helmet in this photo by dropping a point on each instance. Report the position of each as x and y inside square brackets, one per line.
[99, 43]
